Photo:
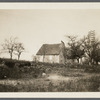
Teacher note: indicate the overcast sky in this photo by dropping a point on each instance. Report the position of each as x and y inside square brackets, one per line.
[36, 27]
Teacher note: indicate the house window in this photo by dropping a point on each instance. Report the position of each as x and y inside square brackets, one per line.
[50, 57]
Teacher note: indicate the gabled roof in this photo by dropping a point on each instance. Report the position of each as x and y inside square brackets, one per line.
[49, 49]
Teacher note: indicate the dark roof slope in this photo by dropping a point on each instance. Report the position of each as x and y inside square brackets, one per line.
[49, 49]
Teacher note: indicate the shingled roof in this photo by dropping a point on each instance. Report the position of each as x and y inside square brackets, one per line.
[49, 49]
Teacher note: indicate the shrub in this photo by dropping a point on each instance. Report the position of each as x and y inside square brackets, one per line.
[9, 72]
[4, 71]
[10, 64]
[15, 72]
[93, 69]
[8, 88]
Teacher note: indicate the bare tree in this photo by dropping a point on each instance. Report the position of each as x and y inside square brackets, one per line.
[9, 45]
[19, 48]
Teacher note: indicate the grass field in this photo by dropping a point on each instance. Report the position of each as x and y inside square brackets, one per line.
[57, 80]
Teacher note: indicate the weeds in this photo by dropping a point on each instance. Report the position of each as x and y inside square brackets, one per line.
[82, 78]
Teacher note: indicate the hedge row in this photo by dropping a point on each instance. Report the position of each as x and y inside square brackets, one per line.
[19, 69]
[11, 63]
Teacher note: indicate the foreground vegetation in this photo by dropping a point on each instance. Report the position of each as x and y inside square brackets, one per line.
[26, 76]
[79, 85]
[89, 83]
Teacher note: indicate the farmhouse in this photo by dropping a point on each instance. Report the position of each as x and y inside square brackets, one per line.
[52, 53]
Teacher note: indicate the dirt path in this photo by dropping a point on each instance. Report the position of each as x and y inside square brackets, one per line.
[55, 77]
[52, 77]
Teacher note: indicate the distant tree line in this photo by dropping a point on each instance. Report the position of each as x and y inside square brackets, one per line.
[88, 46]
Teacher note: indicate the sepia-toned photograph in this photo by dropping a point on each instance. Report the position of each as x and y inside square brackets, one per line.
[50, 50]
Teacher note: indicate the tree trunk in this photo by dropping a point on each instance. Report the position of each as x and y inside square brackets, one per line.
[18, 57]
[90, 61]
[78, 60]
[96, 62]
[10, 55]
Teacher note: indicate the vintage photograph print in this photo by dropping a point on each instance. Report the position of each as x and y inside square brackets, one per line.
[50, 49]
